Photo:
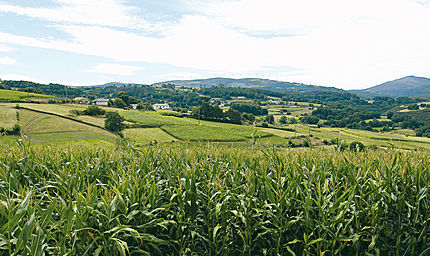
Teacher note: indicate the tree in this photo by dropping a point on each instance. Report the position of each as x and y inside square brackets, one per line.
[114, 121]
[249, 108]
[269, 119]
[413, 107]
[94, 110]
[283, 120]
[248, 117]
[208, 112]
[309, 119]
[293, 120]
[145, 107]
[119, 103]
[234, 116]
[124, 96]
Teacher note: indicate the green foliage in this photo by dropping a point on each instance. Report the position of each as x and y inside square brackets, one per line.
[269, 119]
[250, 108]
[233, 116]
[4, 87]
[119, 103]
[413, 106]
[208, 112]
[248, 117]
[93, 110]
[309, 119]
[114, 121]
[283, 120]
[15, 130]
[417, 120]
[145, 107]
[356, 146]
[212, 200]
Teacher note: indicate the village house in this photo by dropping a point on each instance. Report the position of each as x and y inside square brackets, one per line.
[133, 106]
[81, 100]
[161, 106]
[102, 102]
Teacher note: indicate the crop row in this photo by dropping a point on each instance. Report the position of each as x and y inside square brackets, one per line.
[212, 200]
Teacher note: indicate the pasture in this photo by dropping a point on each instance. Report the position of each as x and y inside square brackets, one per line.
[8, 95]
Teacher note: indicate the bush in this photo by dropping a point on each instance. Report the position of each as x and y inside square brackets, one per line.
[16, 130]
[413, 107]
[356, 146]
[114, 121]
[75, 112]
[93, 110]
[283, 120]
[248, 117]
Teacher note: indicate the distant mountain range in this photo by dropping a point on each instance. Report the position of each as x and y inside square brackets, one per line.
[256, 83]
[115, 84]
[408, 86]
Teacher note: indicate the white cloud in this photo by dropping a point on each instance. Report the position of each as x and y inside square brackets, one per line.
[113, 13]
[19, 77]
[7, 61]
[4, 48]
[180, 76]
[341, 43]
[114, 69]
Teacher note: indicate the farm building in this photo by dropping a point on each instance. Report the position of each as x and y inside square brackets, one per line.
[133, 106]
[102, 102]
[81, 100]
[161, 106]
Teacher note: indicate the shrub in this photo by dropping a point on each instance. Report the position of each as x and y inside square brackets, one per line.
[94, 110]
[114, 121]
[75, 112]
[356, 146]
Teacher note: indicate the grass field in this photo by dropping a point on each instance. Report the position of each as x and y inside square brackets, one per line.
[17, 95]
[43, 128]
[204, 132]
[148, 135]
[212, 199]
[186, 129]
[64, 110]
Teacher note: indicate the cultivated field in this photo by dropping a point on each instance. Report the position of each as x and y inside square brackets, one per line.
[171, 128]
[212, 199]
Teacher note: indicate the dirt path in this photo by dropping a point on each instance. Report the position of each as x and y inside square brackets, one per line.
[32, 123]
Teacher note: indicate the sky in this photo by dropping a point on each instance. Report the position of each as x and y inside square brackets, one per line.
[349, 44]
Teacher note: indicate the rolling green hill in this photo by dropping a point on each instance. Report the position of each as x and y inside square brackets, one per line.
[404, 87]
[6, 95]
[257, 83]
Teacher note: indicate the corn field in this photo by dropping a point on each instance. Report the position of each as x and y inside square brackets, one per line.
[212, 200]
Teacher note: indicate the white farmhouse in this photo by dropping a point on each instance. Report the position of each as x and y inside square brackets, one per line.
[102, 102]
[133, 106]
[161, 106]
[81, 100]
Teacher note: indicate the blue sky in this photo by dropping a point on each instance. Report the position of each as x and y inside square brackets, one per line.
[342, 43]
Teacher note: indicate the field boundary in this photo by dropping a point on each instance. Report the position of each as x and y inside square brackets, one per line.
[164, 130]
[65, 117]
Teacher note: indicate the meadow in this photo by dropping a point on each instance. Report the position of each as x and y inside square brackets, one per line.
[9, 95]
[212, 199]
[48, 129]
